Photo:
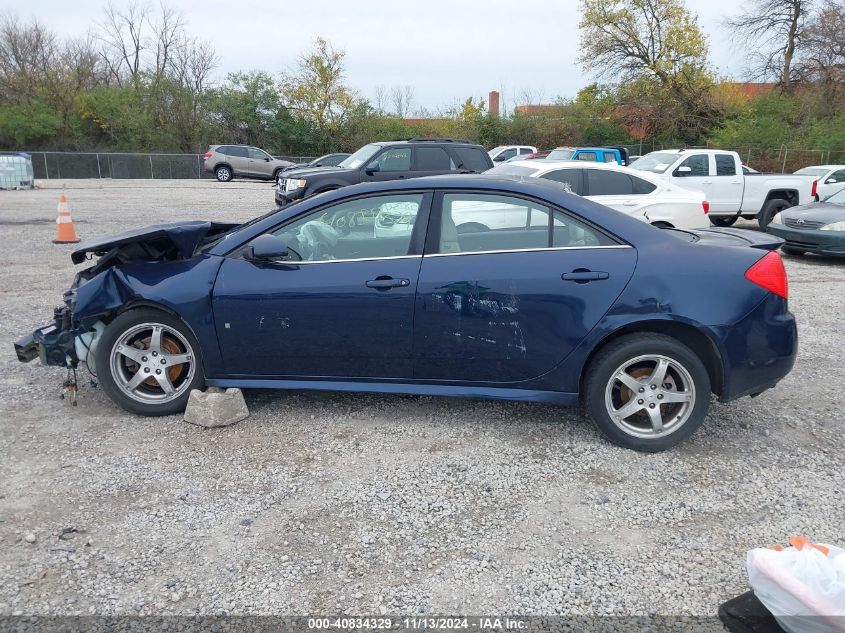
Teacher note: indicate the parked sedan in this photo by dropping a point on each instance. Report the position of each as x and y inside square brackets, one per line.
[634, 193]
[818, 227]
[328, 160]
[566, 303]
[831, 178]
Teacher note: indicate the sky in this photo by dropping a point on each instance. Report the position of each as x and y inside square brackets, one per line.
[447, 50]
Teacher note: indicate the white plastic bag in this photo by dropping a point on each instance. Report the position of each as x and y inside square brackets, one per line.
[803, 586]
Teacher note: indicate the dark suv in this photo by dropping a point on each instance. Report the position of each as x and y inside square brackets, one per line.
[390, 160]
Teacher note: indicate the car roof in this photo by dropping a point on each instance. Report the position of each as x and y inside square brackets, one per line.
[823, 167]
[427, 141]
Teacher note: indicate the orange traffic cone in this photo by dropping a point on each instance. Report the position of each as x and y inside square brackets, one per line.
[65, 233]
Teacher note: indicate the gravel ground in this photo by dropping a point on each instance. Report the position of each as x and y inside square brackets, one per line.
[342, 503]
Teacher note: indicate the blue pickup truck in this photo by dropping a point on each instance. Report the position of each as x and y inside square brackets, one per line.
[617, 155]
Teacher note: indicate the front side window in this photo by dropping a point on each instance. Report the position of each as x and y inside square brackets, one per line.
[258, 154]
[699, 165]
[836, 177]
[508, 153]
[360, 157]
[365, 228]
[395, 159]
[473, 223]
[571, 179]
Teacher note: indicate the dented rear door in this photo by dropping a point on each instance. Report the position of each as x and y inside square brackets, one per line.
[509, 315]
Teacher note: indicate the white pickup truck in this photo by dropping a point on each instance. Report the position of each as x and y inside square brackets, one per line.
[730, 192]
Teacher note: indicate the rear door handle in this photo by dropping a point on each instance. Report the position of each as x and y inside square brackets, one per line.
[629, 203]
[385, 283]
[706, 182]
[583, 276]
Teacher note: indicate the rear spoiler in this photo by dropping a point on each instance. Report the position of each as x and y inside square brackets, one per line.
[754, 239]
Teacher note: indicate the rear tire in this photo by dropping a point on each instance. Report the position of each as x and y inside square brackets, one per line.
[223, 173]
[148, 361]
[770, 210]
[724, 221]
[660, 401]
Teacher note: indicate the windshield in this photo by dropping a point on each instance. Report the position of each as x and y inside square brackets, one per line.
[360, 157]
[812, 171]
[837, 198]
[507, 169]
[496, 150]
[656, 162]
[560, 154]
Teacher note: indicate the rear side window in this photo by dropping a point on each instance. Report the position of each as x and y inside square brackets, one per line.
[725, 165]
[610, 157]
[235, 150]
[474, 222]
[526, 150]
[433, 159]
[571, 178]
[601, 182]
[471, 158]
[589, 156]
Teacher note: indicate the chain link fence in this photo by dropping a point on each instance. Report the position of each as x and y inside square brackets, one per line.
[47, 165]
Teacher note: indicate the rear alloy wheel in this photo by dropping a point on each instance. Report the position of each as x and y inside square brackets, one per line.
[724, 221]
[223, 173]
[149, 362]
[647, 392]
[770, 210]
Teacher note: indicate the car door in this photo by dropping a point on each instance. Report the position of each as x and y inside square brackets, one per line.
[340, 305]
[260, 163]
[507, 300]
[724, 193]
[572, 179]
[239, 159]
[393, 163]
[695, 172]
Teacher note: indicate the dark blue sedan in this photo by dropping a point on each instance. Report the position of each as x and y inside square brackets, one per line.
[465, 286]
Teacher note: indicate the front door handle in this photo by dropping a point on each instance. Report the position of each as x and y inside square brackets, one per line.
[706, 182]
[583, 276]
[385, 283]
[629, 203]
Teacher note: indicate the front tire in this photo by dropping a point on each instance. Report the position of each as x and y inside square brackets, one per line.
[223, 173]
[723, 221]
[770, 210]
[647, 392]
[797, 252]
[148, 362]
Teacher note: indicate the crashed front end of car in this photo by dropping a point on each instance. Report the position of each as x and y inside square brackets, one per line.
[102, 290]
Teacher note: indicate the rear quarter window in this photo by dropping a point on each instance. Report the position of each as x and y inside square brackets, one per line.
[472, 158]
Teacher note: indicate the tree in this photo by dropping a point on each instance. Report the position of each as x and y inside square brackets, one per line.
[658, 53]
[822, 55]
[317, 91]
[771, 30]
[403, 98]
[629, 39]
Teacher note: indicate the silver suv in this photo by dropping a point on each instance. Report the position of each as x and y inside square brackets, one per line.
[228, 161]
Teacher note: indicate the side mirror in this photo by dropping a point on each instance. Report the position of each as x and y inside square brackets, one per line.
[266, 247]
[499, 158]
[318, 165]
[266, 159]
[683, 170]
[372, 168]
[830, 181]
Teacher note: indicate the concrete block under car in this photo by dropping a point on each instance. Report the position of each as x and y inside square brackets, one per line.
[216, 407]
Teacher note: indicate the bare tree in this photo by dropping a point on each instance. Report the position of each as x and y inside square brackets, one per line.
[122, 34]
[821, 58]
[26, 51]
[771, 30]
[402, 98]
[380, 99]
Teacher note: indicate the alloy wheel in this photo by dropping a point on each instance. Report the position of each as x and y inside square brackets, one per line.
[650, 396]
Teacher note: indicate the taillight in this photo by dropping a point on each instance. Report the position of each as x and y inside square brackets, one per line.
[770, 274]
[207, 155]
[706, 206]
[815, 191]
